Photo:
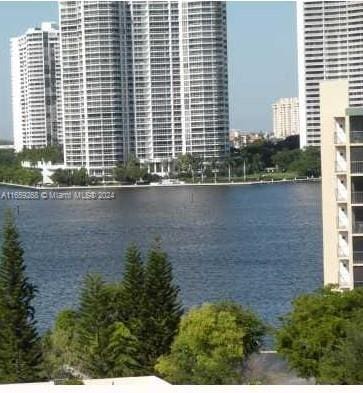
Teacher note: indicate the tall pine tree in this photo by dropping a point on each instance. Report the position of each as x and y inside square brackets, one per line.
[95, 326]
[132, 285]
[162, 309]
[20, 347]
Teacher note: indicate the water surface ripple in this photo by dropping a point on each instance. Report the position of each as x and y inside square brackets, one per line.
[259, 245]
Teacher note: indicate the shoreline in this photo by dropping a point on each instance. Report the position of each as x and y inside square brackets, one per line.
[157, 185]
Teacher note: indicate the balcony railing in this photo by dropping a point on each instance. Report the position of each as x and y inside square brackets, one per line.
[358, 227]
[357, 257]
[356, 136]
[357, 197]
[356, 167]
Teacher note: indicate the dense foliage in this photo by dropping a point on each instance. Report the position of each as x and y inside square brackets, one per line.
[53, 154]
[18, 175]
[321, 336]
[130, 172]
[135, 327]
[20, 349]
[162, 310]
[118, 329]
[72, 177]
[253, 159]
[302, 162]
[12, 172]
[213, 342]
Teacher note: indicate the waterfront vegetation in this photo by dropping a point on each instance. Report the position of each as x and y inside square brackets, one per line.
[20, 345]
[263, 160]
[137, 326]
[53, 154]
[322, 337]
[11, 170]
[74, 177]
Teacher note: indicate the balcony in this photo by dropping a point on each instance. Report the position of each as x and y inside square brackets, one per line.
[356, 167]
[356, 137]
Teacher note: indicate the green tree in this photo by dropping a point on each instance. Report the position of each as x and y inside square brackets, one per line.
[213, 342]
[284, 158]
[70, 177]
[20, 347]
[62, 177]
[313, 336]
[123, 352]
[60, 344]
[132, 289]
[188, 165]
[162, 309]
[130, 172]
[95, 326]
[49, 153]
[344, 364]
[307, 162]
[80, 177]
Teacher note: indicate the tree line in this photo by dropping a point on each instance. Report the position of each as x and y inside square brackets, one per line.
[251, 161]
[137, 326]
[11, 170]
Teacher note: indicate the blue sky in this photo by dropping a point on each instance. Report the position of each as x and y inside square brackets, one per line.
[261, 48]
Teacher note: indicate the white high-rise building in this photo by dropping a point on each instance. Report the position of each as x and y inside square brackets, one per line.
[329, 47]
[285, 113]
[95, 89]
[35, 78]
[147, 78]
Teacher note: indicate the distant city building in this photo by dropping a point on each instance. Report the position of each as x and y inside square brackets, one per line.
[239, 139]
[7, 147]
[329, 47]
[35, 79]
[143, 78]
[342, 185]
[285, 113]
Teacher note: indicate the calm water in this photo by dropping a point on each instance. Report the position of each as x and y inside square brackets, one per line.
[259, 245]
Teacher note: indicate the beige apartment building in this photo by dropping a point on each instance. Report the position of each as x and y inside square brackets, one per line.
[285, 114]
[342, 185]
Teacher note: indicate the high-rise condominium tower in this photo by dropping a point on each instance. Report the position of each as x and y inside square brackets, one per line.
[35, 78]
[285, 113]
[144, 78]
[329, 47]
